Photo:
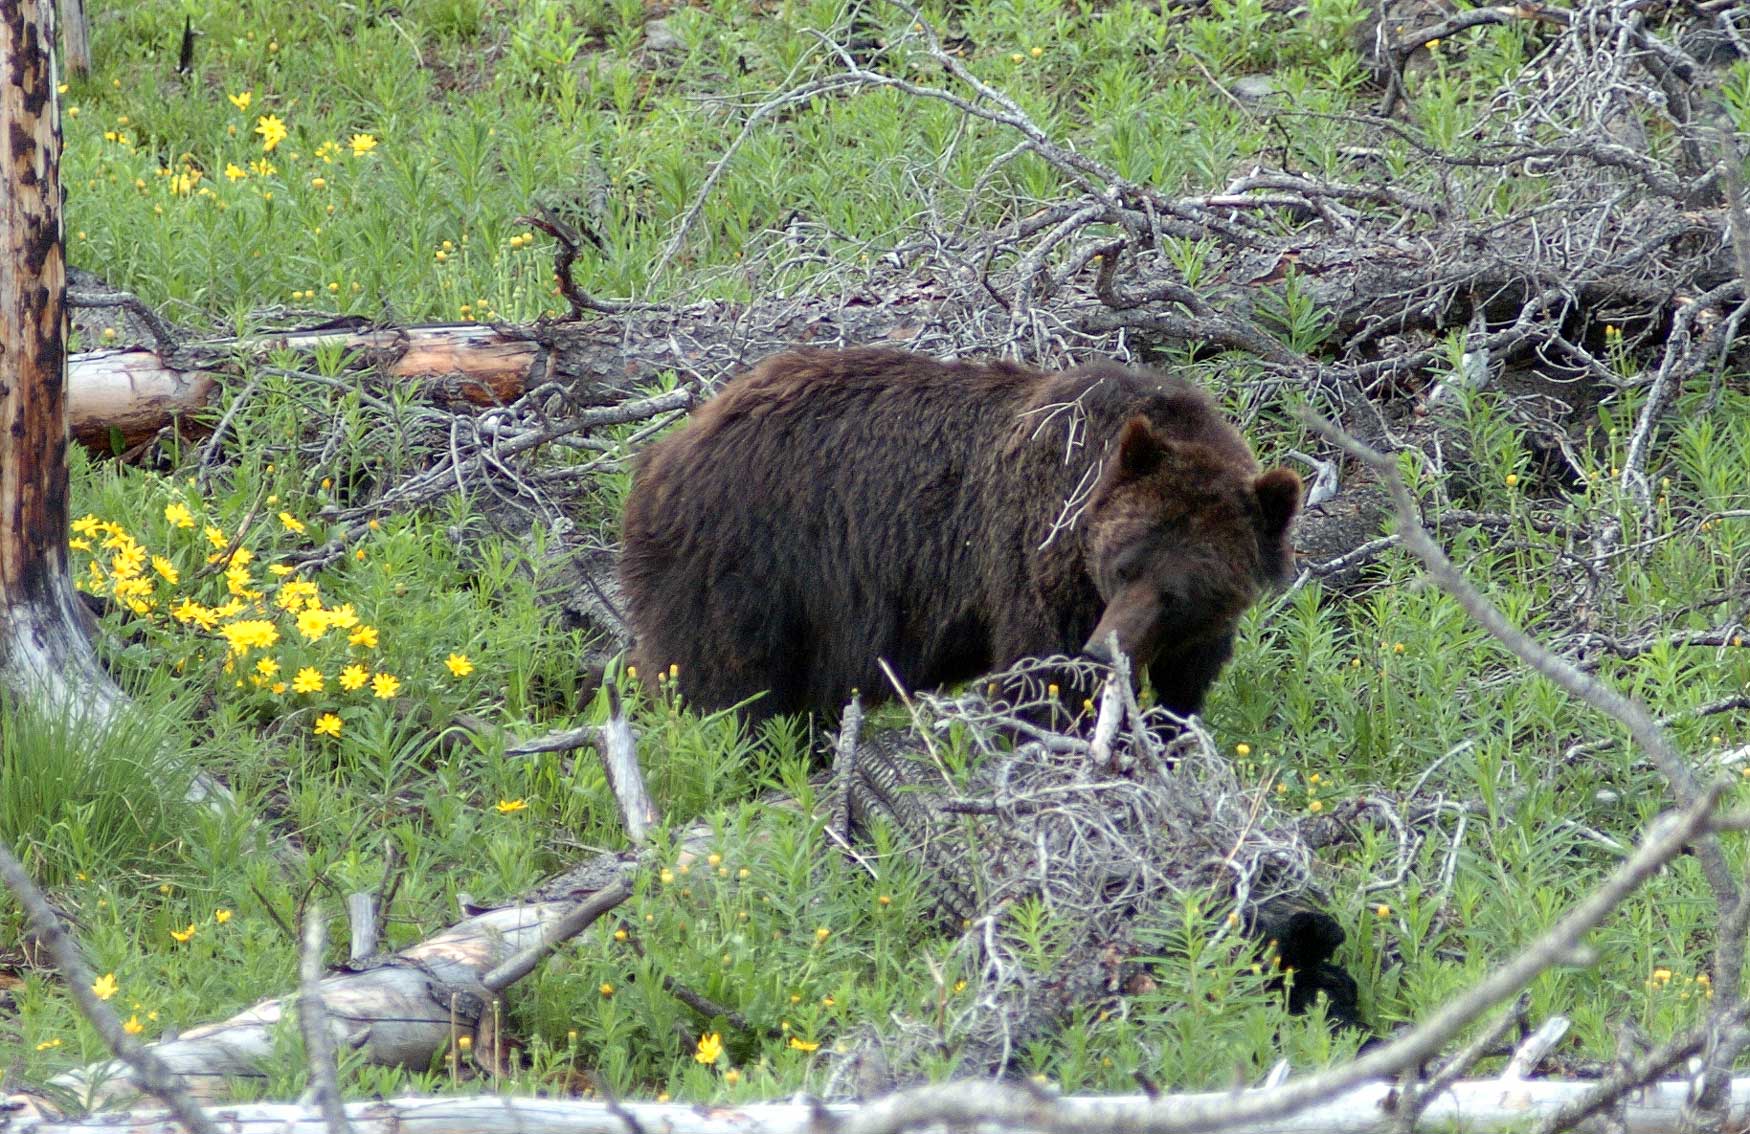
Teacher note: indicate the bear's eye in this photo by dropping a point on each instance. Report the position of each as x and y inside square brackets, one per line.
[1128, 569]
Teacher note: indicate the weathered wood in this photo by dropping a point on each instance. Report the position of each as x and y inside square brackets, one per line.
[76, 37]
[397, 1013]
[132, 393]
[1480, 1105]
[44, 650]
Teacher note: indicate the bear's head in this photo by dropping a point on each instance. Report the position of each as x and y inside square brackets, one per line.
[1183, 535]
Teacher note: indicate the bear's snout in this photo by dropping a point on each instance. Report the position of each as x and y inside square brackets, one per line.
[1099, 648]
[1131, 619]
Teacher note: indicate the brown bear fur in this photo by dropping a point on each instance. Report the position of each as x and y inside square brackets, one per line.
[828, 509]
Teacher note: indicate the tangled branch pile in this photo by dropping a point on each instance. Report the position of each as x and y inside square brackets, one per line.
[1111, 833]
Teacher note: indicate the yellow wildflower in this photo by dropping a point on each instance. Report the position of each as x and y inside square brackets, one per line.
[182, 936]
[221, 915]
[308, 680]
[353, 677]
[178, 515]
[297, 594]
[272, 131]
[802, 1044]
[365, 636]
[385, 686]
[104, 986]
[313, 623]
[363, 144]
[263, 167]
[241, 101]
[327, 725]
[48, 1045]
[247, 633]
[267, 667]
[606, 989]
[133, 1026]
[458, 663]
[237, 581]
[732, 1076]
[505, 806]
[292, 523]
[188, 611]
[710, 1048]
[167, 569]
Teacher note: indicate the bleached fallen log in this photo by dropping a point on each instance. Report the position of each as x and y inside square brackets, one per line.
[398, 1013]
[1478, 1105]
[134, 392]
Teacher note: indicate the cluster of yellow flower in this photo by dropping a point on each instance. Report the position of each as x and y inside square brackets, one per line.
[106, 986]
[125, 576]
[1699, 985]
[256, 614]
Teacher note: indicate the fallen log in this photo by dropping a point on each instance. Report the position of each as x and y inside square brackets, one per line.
[397, 1012]
[127, 395]
[1476, 1105]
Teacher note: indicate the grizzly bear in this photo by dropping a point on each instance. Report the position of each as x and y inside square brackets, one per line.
[830, 510]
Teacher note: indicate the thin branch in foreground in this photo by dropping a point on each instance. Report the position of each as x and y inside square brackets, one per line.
[1728, 960]
[313, 1024]
[1417, 1097]
[1474, 1106]
[157, 1079]
[1630, 713]
[964, 1103]
[555, 935]
[619, 752]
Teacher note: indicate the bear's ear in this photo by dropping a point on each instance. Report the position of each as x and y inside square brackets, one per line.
[1139, 450]
[1278, 494]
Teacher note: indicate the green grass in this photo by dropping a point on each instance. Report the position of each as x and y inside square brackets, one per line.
[481, 110]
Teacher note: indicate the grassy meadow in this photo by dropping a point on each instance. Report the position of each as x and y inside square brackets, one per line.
[372, 159]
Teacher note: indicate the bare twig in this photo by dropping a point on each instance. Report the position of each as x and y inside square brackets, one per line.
[555, 935]
[620, 761]
[1632, 714]
[313, 1024]
[955, 1103]
[157, 1079]
[564, 256]
[844, 763]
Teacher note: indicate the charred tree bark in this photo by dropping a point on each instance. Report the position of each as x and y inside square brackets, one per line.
[44, 650]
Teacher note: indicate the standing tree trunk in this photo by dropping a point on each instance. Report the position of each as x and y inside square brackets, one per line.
[76, 37]
[44, 650]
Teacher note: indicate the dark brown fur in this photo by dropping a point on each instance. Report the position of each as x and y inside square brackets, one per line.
[831, 508]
